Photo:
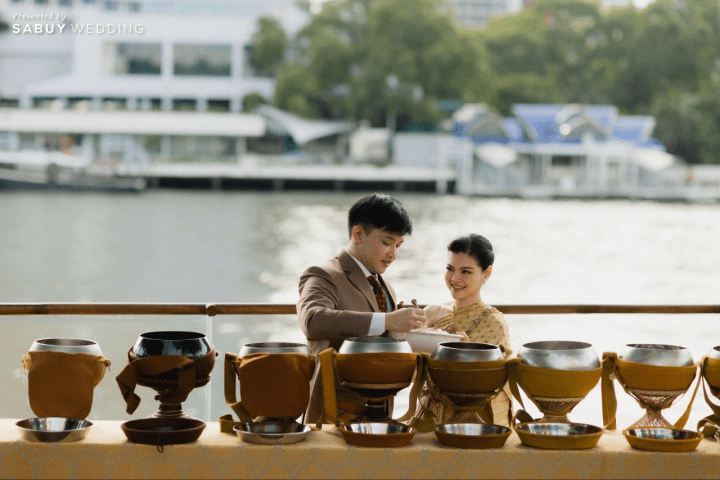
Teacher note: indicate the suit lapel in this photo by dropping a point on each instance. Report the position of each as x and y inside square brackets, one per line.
[356, 276]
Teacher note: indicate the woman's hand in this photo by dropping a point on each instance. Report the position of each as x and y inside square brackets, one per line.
[434, 313]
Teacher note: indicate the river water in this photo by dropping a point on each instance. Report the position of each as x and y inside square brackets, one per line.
[218, 247]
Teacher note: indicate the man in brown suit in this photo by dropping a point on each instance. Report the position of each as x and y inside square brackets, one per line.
[338, 300]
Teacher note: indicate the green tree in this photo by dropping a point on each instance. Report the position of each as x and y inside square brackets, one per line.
[380, 59]
[556, 47]
[688, 124]
[251, 101]
[268, 46]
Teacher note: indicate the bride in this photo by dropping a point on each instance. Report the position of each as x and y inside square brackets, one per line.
[469, 266]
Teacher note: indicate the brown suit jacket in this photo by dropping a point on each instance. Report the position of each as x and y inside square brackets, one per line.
[336, 302]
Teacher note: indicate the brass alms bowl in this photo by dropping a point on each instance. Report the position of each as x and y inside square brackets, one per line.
[467, 352]
[714, 353]
[273, 347]
[657, 354]
[559, 355]
[66, 345]
[374, 345]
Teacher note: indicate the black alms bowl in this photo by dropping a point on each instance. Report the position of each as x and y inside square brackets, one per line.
[186, 344]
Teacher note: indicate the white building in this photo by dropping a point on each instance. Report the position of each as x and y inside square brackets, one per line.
[107, 55]
[137, 54]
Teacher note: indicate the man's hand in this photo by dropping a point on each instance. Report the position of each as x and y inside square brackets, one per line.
[405, 319]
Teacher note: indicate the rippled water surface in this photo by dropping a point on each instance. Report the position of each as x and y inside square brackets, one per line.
[215, 247]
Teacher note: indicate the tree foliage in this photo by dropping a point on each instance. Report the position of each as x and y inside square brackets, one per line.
[268, 47]
[368, 59]
[372, 59]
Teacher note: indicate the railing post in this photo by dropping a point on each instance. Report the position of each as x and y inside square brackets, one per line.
[210, 311]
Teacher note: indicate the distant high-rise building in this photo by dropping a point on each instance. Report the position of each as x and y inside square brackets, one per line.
[476, 13]
[615, 3]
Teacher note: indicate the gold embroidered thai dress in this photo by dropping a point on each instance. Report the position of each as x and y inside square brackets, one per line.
[481, 323]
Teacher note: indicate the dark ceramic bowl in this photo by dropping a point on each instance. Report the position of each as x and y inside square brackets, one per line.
[186, 344]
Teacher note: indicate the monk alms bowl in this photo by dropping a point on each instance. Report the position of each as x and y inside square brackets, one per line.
[374, 345]
[53, 429]
[377, 434]
[711, 370]
[558, 436]
[663, 439]
[657, 354]
[472, 435]
[467, 352]
[560, 355]
[66, 345]
[274, 347]
[715, 352]
[272, 432]
[186, 344]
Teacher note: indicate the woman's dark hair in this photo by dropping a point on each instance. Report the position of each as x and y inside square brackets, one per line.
[379, 211]
[476, 246]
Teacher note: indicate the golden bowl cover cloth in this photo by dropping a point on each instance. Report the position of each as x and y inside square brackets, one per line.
[467, 377]
[376, 368]
[380, 369]
[653, 377]
[551, 383]
[61, 384]
[176, 375]
[711, 371]
[479, 382]
[638, 376]
[275, 384]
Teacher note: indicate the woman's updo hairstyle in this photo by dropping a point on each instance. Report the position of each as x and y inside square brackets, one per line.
[476, 246]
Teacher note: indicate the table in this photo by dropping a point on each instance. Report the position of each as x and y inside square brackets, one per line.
[106, 453]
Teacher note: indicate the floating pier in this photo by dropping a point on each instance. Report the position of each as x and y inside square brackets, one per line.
[299, 177]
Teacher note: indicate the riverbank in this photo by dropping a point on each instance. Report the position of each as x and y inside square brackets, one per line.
[391, 178]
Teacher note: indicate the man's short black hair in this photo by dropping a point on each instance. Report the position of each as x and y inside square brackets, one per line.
[379, 211]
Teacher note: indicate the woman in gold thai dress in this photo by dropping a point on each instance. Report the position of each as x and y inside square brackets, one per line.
[470, 260]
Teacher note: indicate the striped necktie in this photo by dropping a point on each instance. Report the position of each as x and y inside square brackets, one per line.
[379, 293]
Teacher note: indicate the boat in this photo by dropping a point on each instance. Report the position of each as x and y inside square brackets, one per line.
[42, 170]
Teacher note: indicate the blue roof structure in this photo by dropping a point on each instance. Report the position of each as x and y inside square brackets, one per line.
[633, 127]
[556, 124]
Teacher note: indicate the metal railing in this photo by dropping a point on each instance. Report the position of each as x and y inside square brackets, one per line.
[213, 309]
[210, 310]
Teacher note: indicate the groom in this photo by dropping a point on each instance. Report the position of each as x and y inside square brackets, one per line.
[348, 296]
